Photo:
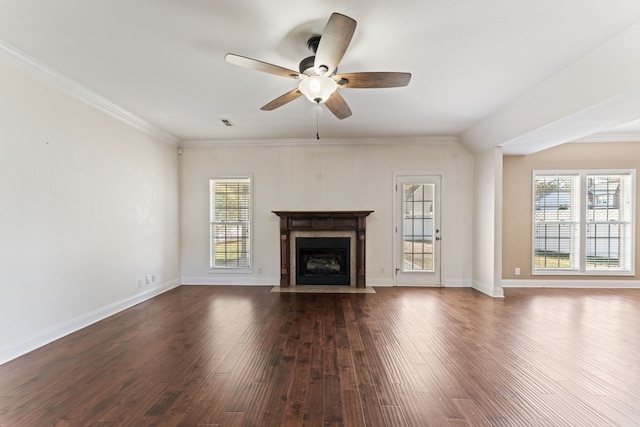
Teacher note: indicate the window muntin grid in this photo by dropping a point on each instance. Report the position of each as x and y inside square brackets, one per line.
[230, 223]
[417, 245]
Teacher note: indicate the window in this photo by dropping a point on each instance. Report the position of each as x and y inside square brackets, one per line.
[230, 223]
[583, 222]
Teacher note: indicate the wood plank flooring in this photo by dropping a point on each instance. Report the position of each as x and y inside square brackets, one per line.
[243, 356]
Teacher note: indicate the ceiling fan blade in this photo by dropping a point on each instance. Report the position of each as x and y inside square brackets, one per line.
[265, 67]
[373, 80]
[334, 42]
[338, 106]
[281, 100]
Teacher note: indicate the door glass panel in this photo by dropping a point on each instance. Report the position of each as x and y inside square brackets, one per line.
[417, 227]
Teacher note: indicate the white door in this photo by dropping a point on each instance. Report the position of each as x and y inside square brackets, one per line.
[417, 230]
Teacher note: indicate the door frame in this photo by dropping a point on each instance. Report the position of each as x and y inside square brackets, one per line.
[425, 177]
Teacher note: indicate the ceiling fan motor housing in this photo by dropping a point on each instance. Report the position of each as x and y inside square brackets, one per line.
[313, 43]
[306, 65]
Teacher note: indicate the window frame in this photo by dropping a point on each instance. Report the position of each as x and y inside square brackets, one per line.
[226, 268]
[579, 266]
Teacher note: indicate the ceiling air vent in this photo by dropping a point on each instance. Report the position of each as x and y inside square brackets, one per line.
[227, 123]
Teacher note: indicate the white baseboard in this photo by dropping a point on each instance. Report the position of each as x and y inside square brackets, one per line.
[574, 284]
[456, 283]
[239, 280]
[388, 282]
[446, 283]
[383, 282]
[39, 339]
[492, 291]
[232, 279]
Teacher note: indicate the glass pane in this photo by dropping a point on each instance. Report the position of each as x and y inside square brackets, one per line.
[603, 197]
[553, 198]
[417, 227]
[231, 245]
[603, 246]
[553, 245]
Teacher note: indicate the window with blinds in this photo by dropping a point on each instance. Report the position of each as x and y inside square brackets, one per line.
[230, 223]
[583, 222]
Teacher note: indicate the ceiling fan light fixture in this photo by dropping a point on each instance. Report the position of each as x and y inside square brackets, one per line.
[318, 89]
[318, 80]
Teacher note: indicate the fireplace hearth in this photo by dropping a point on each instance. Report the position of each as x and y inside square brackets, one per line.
[326, 261]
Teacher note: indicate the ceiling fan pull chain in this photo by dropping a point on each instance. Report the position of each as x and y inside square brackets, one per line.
[317, 122]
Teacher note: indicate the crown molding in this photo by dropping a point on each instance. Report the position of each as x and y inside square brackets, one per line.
[37, 69]
[426, 140]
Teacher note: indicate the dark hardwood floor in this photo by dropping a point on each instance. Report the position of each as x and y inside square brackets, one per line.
[242, 356]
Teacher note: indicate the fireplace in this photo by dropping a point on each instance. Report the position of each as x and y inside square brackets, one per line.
[323, 260]
[348, 225]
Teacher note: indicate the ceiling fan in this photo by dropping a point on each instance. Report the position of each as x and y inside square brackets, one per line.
[318, 79]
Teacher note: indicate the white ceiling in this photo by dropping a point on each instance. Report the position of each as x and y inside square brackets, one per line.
[524, 74]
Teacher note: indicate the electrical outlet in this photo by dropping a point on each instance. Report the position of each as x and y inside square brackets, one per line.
[148, 279]
[517, 272]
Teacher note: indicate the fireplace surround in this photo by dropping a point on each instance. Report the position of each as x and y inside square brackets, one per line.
[296, 224]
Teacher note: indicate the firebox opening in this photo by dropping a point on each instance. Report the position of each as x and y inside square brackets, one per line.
[323, 260]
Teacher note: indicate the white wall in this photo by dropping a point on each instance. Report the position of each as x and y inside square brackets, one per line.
[315, 175]
[88, 206]
[487, 224]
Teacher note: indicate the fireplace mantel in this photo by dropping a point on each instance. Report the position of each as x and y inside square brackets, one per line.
[322, 221]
